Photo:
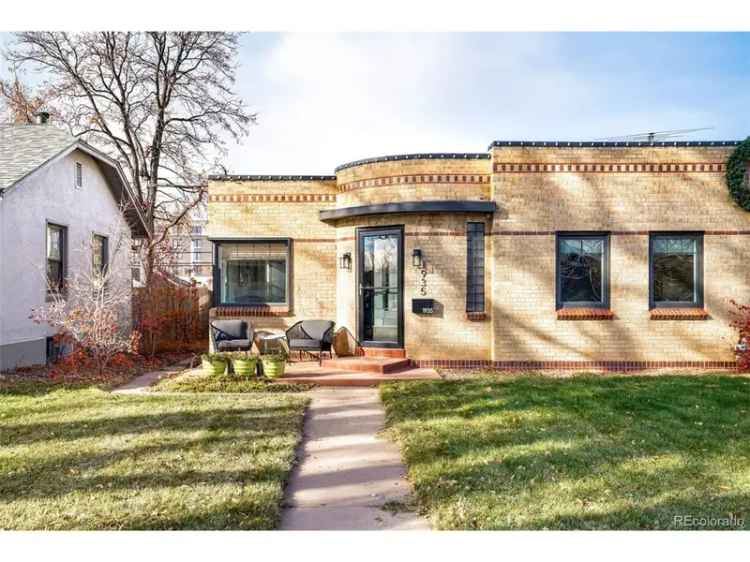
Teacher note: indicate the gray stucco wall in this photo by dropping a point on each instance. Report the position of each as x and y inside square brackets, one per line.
[48, 195]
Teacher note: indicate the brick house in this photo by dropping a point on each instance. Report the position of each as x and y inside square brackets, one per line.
[529, 255]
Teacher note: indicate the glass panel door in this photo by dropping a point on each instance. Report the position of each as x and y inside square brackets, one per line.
[380, 287]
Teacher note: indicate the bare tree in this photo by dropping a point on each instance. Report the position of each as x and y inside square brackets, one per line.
[92, 310]
[162, 103]
[19, 101]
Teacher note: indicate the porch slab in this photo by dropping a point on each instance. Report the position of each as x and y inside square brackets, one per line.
[311, 373]
[380, 365]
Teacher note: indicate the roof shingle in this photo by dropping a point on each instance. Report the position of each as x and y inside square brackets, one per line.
[24, 148]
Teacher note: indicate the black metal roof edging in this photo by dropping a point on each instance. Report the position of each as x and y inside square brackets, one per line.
[417, 156]
[409, 207]
[245, 177]
[610, 144]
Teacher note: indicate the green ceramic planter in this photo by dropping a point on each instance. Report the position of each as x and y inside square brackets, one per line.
[215, 367]
[273, 368]
[244, 367]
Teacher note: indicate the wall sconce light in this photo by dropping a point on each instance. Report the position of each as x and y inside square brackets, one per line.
[416, 258]
[345, 261]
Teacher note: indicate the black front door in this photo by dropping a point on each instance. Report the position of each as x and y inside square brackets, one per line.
[381, 292]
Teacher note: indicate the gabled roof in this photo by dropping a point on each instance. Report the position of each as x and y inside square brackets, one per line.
[24, 149]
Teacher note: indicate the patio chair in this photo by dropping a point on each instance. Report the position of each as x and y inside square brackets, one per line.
[231, 335]
[311, 335]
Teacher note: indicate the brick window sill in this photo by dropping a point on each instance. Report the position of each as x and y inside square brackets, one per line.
[243, 311]
[678, 314]
[476, 316]
[585, 314]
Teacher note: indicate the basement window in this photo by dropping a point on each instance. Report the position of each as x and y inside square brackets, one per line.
[582, 270]
[253, 273]
[676, 270]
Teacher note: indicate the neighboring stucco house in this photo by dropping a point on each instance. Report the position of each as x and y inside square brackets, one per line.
[530, 255]
[56, 193]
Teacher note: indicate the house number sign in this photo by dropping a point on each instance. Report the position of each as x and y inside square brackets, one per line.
[423, 282]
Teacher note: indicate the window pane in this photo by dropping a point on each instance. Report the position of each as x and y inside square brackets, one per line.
[475, 267]
[673, 265]
[98, 251]
[54, 242]
[253, 273]
[54, 274]
[580, 270]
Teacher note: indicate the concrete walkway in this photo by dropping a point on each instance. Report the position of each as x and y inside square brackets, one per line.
[348, 474]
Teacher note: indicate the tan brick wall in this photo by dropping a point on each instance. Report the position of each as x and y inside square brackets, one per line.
[255, 209]
[539, 191]
[629, 204]
[447, 334]
[414, 180]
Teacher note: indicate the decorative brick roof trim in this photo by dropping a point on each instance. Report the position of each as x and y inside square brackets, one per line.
[476, 316]
[585, 314]
[610, 144]
[249, 311]
[609, 168]
[274, 198]
[678, 314]
[417, 156]
[413, 179]
[243, 177]
[610, 366]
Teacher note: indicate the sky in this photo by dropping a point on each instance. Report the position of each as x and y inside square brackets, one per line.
[327, 99]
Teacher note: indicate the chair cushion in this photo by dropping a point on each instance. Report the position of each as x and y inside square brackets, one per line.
[304, 344]
[225, 345]
[316, 329]
[229, 330]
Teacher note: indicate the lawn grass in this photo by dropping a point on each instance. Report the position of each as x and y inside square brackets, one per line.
[197, 381]
[588, 452]
[86, 459]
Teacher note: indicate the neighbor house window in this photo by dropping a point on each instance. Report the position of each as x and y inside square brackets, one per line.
[196, 250]
[582, 270]
[79, 174]
[100, 254]
[254, 272]
[56, 257]
[676, 270]
[475, 267]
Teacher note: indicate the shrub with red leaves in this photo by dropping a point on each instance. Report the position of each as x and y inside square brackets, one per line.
[741, 323]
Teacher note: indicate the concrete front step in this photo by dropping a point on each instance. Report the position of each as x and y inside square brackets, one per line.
[311, 373]
[393, 353]
[381, 365]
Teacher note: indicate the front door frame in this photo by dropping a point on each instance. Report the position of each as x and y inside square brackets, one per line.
[361, 232]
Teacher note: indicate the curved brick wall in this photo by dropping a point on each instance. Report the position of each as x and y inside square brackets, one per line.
[414, 179]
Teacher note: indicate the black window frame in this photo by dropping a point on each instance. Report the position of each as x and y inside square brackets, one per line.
[105, 252]
[698, 269]
[63, 257]
[475, 268]
[584, 235]
[216, 271]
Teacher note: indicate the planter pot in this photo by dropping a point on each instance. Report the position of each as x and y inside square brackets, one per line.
[244, 367]
[215, 367]
[273, 368]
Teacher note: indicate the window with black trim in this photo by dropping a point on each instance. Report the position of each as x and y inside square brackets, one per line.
[56, 257]
[475, 267]
[254, 272]
[582, 270]
[676, 270]
[100, 254]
